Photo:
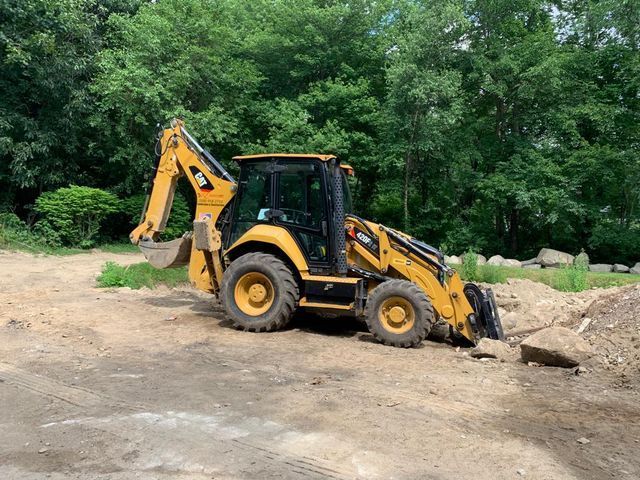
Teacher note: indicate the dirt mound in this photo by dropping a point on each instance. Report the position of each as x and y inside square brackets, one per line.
[612, 325]
[609, 319]
[526, 306]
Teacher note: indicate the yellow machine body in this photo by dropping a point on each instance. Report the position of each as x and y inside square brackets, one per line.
[374, 254]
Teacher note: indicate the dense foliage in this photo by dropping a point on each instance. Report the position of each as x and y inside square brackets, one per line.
[75, 214]
[496, 125]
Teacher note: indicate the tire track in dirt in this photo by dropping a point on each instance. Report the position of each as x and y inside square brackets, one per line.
[73, 395]
[310, 467]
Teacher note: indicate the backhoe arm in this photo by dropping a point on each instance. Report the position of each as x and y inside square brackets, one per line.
[160, 200]
[180, 155]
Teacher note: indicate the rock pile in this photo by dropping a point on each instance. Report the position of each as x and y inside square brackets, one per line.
[547, 258]
[611, 325]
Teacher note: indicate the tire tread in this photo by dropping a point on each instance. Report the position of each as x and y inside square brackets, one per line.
[289, 291]
[424, 313]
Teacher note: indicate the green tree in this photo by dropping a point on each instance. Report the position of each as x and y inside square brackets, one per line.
[47, 51]
[173, 58]
[424, 102]
[496, 125]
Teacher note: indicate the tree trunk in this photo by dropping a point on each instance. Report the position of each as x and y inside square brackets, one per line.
[513, 230]
[407, 176]
[499, 225]
[407, 168]
[500, 111]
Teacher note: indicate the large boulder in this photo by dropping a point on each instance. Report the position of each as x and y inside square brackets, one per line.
[556, 347]
[600, 267]
[511, 262]
[495, 260]
[620, 268]
[533, 266]
[452, 260]
[548, 257]
[488, 348]
[635, 269]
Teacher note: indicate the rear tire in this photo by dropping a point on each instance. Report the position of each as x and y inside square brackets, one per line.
[259, 292]
[398, 313]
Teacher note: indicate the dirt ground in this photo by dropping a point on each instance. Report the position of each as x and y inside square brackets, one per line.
[153, 384]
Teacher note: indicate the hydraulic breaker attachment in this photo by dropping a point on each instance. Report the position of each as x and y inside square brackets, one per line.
[175, 253]
[486, 321]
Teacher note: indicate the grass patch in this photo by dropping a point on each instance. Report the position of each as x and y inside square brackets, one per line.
[140, 275]
[11, 241]
[123, 247]
[558, 278]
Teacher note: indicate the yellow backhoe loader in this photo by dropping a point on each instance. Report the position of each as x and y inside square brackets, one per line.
[284, 237]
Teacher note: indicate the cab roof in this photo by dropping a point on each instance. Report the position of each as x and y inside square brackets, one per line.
[309, 156]
[305, 156]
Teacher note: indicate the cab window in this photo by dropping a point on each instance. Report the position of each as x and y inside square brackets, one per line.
[253, 198]
[302, 203]
[300, 195]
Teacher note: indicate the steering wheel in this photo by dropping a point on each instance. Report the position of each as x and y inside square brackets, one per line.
[297, 216]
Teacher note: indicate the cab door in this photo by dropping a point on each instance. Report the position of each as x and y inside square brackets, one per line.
[302, 208]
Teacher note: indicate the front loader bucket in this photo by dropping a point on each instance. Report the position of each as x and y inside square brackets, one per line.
[175, 253]
[487, 321]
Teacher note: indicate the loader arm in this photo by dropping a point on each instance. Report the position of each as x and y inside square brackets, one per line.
[392, 254]
[180, 155]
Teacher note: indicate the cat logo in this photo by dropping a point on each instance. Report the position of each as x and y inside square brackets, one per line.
[203, 182]
[200, 179]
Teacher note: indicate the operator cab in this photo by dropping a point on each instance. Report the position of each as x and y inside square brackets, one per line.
[295, 192]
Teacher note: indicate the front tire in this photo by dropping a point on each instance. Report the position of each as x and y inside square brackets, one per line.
[259, 292]
[399, 313]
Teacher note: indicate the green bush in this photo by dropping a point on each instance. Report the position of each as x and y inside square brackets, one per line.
[46, 234]
[75, 213]
[14, 233]
[180, 219]
[470, 266]
[10, 225]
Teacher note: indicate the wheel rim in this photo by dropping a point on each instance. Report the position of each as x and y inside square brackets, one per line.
[397, 315]
[254, 294]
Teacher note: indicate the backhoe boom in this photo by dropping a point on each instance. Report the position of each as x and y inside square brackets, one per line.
[182, 156]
